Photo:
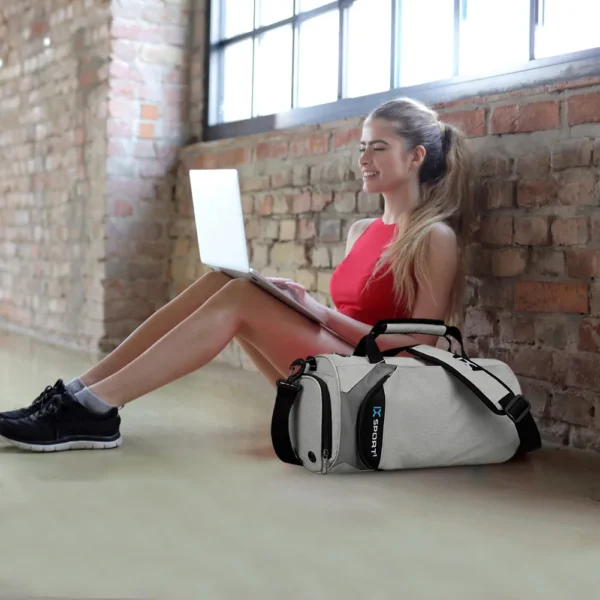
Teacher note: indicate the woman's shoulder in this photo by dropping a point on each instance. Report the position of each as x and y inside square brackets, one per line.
[356, 230]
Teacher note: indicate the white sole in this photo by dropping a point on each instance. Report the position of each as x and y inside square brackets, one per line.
[74, 445]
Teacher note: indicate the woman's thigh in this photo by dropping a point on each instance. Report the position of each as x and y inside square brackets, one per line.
[279, 334]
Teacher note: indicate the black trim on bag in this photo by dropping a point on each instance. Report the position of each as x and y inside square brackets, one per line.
[370, 425]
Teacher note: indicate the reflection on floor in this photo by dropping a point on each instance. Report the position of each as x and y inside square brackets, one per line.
[194, 505]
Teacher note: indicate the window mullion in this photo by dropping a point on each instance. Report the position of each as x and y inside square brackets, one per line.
[342, 59]
[533, 22]
[395, 43]
[457, 19]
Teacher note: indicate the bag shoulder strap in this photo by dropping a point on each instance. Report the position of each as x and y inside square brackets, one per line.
[492, 391]
[287, 392]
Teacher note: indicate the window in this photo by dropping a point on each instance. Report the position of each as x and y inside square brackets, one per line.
[270, 59]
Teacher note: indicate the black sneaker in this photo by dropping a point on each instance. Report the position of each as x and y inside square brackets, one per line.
[37, 404]
[63, 424]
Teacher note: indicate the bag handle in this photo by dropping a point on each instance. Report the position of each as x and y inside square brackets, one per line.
[492, 391]
[368, 346]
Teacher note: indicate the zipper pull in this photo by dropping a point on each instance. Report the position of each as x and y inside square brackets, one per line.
[324, 459]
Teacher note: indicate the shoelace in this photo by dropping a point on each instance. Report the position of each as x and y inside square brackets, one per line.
[47, 394]
[51, 406]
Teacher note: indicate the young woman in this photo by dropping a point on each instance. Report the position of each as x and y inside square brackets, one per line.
[407, 263]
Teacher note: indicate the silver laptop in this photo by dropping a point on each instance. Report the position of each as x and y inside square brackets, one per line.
[221, 234]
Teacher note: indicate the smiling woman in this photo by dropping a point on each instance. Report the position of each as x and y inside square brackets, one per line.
[407, 263]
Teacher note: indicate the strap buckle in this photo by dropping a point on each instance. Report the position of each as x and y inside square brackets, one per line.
[518, 408]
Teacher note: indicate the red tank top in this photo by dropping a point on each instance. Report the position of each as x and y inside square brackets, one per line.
[348, 283]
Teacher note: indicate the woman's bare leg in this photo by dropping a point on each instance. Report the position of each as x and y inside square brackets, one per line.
[278, 333]
[270, 373]
[156, 326]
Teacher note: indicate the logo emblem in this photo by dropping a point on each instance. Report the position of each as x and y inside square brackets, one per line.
[377, 411]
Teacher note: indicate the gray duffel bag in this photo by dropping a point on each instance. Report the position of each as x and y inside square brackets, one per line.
[378, 411]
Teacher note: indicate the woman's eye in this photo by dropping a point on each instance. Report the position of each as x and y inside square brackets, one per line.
[379, 149]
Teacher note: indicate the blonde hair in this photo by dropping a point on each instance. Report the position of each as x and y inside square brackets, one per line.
[445, 178]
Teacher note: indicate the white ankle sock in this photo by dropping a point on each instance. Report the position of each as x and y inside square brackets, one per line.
[75, 385]
[86, 398]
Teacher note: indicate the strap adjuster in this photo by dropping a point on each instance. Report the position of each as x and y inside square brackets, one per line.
[517, 408]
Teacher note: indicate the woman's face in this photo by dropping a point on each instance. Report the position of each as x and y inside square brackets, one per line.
[385, 163]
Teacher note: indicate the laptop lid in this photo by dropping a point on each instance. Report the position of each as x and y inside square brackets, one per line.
[219, 218]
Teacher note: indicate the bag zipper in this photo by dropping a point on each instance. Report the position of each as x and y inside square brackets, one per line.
[326, 426]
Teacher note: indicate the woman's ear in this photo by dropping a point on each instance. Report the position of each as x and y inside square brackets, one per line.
[419, 154]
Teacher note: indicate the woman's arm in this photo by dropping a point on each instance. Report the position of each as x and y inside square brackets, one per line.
[431, 303]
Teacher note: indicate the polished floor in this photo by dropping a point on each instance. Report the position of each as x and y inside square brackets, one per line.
[194, 505]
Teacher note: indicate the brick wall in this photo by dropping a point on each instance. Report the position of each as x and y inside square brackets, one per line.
[93, 109]
[532, 298]
[147, 122]
[53, 85]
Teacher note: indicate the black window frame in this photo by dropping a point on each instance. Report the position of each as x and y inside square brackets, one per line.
[534, 73]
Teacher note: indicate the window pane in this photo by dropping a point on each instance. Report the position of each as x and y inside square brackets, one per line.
[273, 71]
[567, 26]
[426, 43]
[304, 5]
[369, 47]
[318, 59]
[237, 82]
[494, 34]
[271, 11]
[237, 17]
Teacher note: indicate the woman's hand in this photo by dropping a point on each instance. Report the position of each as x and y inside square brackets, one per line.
[297, 290]
[300, 294]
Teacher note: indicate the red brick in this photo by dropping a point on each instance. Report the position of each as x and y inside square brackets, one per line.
[548, 262]
[131, 30]
[271, 150]
[542, 192]
[233, 158]
[509, 262]
[204, 161]
[150, 112]
[531, 362]
[571, 153]
[583, 262]
[556, 331]
[310, 145]
[345, 202]
[584, 108]
[573, 406]
[39, 28]
[516, 328]
[532, 231]
[247, 203]
[146, 130]
[308, 229]
[492, 194]
[584, 370]
[546, 296]
[589, 335]
[255, 184]
[119, 108]
[570, 232]
[346, 137]
[493, 163]
[320, 201]
[525, 118]
[266, 206]
[577, 187]
[470, 122]
[88, 78]
[533, 164]
[301, 202]
[496, 231]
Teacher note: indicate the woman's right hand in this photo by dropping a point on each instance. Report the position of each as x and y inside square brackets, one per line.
[288, 285]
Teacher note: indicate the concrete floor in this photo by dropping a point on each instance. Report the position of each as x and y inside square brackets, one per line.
[194, 505]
